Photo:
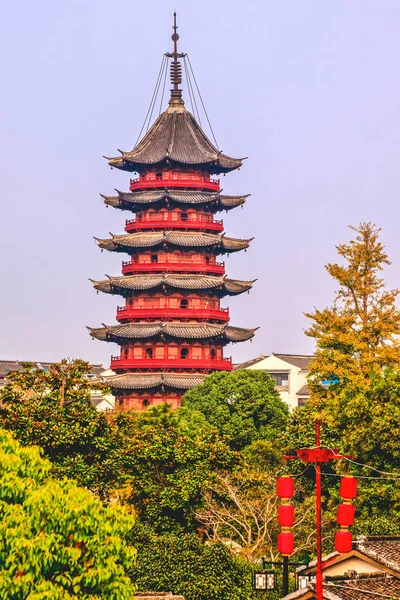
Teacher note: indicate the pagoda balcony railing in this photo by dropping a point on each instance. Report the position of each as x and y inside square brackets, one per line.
[145, 312]
[134, 224]
[119, 363]
[170, 183]
[128, 267]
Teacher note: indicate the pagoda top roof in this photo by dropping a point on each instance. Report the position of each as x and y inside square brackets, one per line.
[174, 330]
[140, 199]
[142, 381]
[175, 138]
[175, 239]
[126, 285]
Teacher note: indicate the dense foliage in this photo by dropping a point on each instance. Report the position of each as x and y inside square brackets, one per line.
[359, 334]
[57, 540]
[244, 406]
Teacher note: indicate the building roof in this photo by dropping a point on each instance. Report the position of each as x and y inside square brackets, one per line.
[383, 550]
[302, 361]
[175, 139]
[304, 391]
[17, 365]
[141, 199]
[143, 381]
[172, 331]
[172, 239]
[371, 586]
[126, 285]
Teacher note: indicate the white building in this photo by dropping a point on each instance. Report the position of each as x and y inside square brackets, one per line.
[289, 371]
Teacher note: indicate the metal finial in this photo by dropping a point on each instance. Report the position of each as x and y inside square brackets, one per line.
[176, 68]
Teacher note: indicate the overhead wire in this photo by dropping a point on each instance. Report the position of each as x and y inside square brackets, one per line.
[191, 91]
[189, 87]
[153, 97]
[201, 100]
[165, 80]
[156, 91]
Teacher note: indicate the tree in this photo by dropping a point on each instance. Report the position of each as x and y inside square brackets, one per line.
[243, 406]
[184, 565]
[53, 409]
[240, 510]
[57, 540]
[169, 460]
[358, 335]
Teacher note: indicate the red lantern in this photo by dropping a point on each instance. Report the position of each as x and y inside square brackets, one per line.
[348, 487]
[286, 515]
[343, 542]
[285, 487]
[286, 544]
[345, 515]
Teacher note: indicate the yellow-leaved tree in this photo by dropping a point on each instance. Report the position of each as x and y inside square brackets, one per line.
[358, 336]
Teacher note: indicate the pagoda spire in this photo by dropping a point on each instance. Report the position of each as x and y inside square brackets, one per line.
[176, 68]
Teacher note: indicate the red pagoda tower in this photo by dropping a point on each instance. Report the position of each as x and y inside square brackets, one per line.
[172, 329]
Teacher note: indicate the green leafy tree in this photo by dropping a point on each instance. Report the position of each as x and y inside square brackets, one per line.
[243, 406]
[57, 540]
[170, 459]
[359, 334]
[184, 565]
[52, 409]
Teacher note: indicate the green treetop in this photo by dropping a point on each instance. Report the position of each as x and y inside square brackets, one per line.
[243, 406]
[57, 540]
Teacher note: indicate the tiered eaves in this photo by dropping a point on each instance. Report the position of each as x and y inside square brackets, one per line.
[172, 329]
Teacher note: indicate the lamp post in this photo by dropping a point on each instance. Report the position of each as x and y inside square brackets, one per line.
[265, 581]
[319, 456]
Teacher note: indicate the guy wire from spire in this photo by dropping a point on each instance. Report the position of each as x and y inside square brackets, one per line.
[164, 60]
[202, 103]
[165, 80]
[192, 96]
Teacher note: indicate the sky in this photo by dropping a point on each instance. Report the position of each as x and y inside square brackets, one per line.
[309, 91]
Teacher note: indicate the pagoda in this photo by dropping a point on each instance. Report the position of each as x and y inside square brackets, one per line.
[172, 328]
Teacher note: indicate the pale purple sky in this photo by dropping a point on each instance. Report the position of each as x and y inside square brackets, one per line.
[309, 91]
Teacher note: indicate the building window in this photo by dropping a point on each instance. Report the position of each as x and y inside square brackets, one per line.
[154, 258]
[145, 403]
[281, 379]
[207, 260]
[184, 216]
[184, 353]
[213, 353]
[184, 303]
[149, 353]
[158, 175]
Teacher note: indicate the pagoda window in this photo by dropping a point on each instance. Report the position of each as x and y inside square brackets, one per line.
[213, 354]
[159, 351]
[135, 259]
[149, 353]
[184, 303]
[184, 217]
[184, 353]
[158, 175]
[207, 260]
[172, 352]
[137, 352]
[197, 352]
[154, 258]
[125, 352]
[140, 217]
[145, 403]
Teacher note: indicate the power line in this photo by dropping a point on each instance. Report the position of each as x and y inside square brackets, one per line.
[152, 98]
[202, 103]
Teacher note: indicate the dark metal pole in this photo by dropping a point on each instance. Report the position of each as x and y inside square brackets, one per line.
[285, 585]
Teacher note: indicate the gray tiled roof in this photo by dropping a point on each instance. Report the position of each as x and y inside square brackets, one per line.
[176, 138]
[125, 285]
[298, 360]
[140, 199]
[142, 381]
[174, 239]
[167, 330]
